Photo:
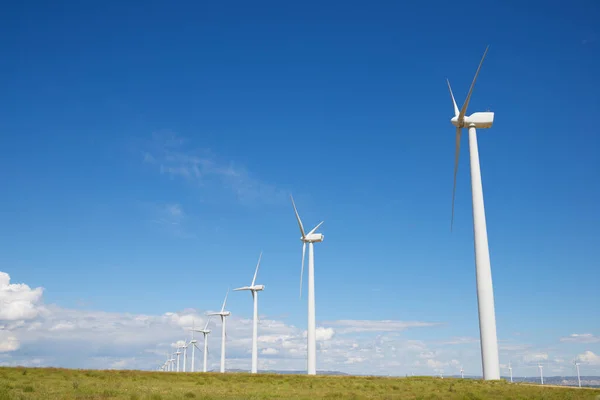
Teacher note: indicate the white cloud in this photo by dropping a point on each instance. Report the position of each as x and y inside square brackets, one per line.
[581, 338]
[71, 338]
[17, 301]
[175, 158]
[269, 351]
[322, 334]
[535, 357]
[8, 342]
[349, 326]
[588, 358]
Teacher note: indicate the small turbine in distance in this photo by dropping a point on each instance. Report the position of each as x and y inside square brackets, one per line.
[223, 314]
[311, 335]
[485, 290]
[254, 289]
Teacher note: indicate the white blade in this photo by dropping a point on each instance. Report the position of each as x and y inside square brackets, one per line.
[315, 228]
[456, 154]
[225, 301]
[463, 110]
[256, 272]
[453, 101]
[207, 321]
[242, 288]
[302, 270]
[298, 217]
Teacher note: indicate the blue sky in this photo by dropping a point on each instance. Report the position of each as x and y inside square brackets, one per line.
[148, 150]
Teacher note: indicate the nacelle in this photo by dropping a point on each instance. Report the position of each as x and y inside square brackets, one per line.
[481, 120]
[225, 313]
[257, 288]
[315, 237]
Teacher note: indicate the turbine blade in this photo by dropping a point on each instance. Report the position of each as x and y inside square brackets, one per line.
[302, 270]
[225, 301]
[463, 110]
[207, 321]
[256, 272]
[298, 217]
[456, 154]
[453, 101]
[315, 228]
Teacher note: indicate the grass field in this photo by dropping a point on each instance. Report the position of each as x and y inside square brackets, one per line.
[52, 383]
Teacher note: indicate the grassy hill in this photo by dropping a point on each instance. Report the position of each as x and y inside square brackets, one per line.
[53, 383]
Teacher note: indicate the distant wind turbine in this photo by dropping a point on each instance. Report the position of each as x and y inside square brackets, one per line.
[485, 291]
[510, 371]
[462, 373]
[194, 345]
[185, 346]
[178, 353]
[311, 334]
[541, 367]
[578, 376]
[254, 289]
[223, 314]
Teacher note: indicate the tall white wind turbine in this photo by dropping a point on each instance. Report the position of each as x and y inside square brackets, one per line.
[541, 367]
[485, 291]
[223, 314]
[205, 332]
[310, 238]
[254, 289]
[578, 376]
[510, 371]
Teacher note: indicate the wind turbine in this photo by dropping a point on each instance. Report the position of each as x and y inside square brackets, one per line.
[311, 336]
[178, 353]
[185, 346]
[205, 332]
[510, 371]
[485, 291]
[541, 367]
[578, 376]
[193, 343]
[223, 314]
[254, 289]
[462, 373]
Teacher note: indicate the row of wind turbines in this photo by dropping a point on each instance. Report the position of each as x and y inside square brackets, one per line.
[173, 360]
[485, 295]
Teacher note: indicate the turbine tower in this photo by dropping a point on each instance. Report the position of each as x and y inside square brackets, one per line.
[185, 346]
[205, 332]
[178, 353]
[510, 371]
[310, 238]
[578, 376]
[223, 314]
[541, 367]
[254, 289]
[462, 373]
[485, 291]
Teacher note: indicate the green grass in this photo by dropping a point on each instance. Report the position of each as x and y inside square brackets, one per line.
[53, 383]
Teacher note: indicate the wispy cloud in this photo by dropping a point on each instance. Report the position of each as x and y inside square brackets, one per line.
[588, 358]
[581, 338]
[177, 158]
[347, 326]
[169, 216]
